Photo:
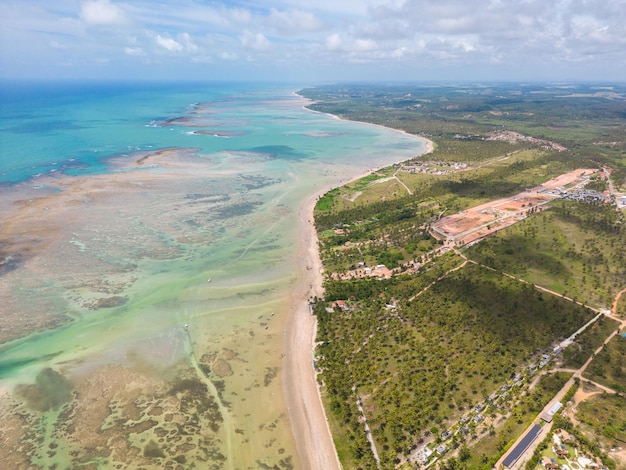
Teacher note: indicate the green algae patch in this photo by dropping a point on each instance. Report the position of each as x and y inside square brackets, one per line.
[153, 450]
[50, 391]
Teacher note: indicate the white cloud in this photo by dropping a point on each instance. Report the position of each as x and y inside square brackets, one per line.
[168, 43]
[291, 22]
[188, 44]
[399, 53]
[364, 45]
[456, 25]
[334, 43]
[584, 35]
[229, 56]
[134, 51]
[182, 43]
[338, 7]
[239, 16]
[102, 12]
[256, 42]
[587, 27]
[202, 59]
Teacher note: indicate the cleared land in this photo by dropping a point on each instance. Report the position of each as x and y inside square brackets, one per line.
[479, 221]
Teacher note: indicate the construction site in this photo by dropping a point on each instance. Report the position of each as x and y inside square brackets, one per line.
[471, 225]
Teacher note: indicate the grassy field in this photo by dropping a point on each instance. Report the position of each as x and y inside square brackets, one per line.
[574, 249]
[345, 444]
[609, 365]
[606, 414]
[621, 307]
[460, 118]
[577, 353]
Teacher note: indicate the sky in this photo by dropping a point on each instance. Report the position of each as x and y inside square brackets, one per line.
[314, 40]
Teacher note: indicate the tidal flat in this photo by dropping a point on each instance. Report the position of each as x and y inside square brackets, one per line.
[144, 307]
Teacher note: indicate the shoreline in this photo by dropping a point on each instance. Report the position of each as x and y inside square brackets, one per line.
[429, 144]
[307, 415]
[157, 170]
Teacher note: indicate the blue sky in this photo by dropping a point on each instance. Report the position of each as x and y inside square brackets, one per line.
[314, 40]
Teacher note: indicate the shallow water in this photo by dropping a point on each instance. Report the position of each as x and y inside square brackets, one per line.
[107, 281]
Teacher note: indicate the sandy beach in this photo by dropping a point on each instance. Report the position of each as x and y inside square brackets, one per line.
[302, 394]
[308, 420]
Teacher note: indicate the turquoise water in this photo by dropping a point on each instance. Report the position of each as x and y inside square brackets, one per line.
[108, 262]
[73, 127]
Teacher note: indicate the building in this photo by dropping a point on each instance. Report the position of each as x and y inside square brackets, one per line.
[566, 437]
[441, 449]
[422, 455]
[521, 447]
[549, 463]
[561, 451]
[548, 415]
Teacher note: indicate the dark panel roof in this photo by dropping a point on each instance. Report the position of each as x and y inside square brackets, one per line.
[522, 446]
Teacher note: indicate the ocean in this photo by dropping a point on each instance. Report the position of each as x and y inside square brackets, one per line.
[148, 252]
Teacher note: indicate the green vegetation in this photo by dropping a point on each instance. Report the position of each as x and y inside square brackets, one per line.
[574, 249]
[620, 311]
[494, 444]
[423, 367]
[459, 117]
[586, 440]
[606, 413]
[577, 353]
[381, 234]
[609, 365]
[440, 352]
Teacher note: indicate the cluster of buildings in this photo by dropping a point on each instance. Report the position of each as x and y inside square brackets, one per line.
[559, 449]
[348, 306]
[512, 137]
[560, 442]
[379, 271]
[434, 168]
[340, 305]
[585, 195]
[425, 455]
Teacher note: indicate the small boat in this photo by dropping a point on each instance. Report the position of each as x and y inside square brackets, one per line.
[209, 281]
